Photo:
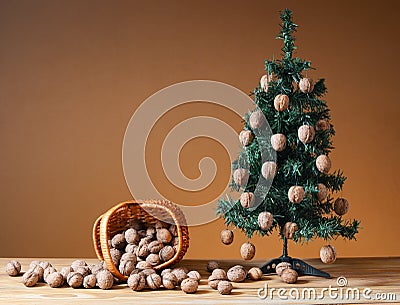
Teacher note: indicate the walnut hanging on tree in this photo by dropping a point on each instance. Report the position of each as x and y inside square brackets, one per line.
[323, 163]
[226, 236]
[328, 254]
[296, 194]
[247, 199]
[247, 251]
[278, 142]
[241, 176]
[322, 125]
[246, 137]
[341, 206]
[281, 102]
[306, 85]
[306, 134]
[265, 79]
[269, 170]
[257, 119]
[322, 192]
[289, 229]
[265, 220]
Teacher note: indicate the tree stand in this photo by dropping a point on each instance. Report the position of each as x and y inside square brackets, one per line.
[300, 266]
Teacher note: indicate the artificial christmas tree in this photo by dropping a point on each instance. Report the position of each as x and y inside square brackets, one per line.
[298, 201]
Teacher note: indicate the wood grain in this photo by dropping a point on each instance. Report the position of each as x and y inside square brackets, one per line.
[381, 275]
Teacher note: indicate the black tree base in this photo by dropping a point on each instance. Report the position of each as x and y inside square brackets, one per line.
[300, 266]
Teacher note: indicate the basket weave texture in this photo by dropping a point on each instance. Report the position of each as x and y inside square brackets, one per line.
[120, 217]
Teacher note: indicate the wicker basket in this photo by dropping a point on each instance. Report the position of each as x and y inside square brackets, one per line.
[118, 219]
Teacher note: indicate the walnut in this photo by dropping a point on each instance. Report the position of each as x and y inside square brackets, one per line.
[216, 276]
[142, 265]
[306, 85]
[175, 241]
[155, 246]
[30, 278]
[142, 233]
[166, 253]
[246, 137]
[323, 163]
[289, 276]
[161, 225]
[75, 279]
[84, 270]
[211, 265]
[255, 273]
[47, 271]
[78, 263]
[282, 266]
[281, 102]
[136, 281]
[165, 271]
[265, 79]
[224, 287]
[89, 281]
[33, 264]
[151, 232]
[143, 250]
[13, 268]
[194, 275]
[105, 279]
[180, 274]
[247, 251]
[174, 230]
[241, 176]
[164, 235]
[247, 199]
[115, 256]
[322, 192]
[236, 274]
[289, 229]
[130, 248]
[226, 237]
[269, 170]
[40, 271]
[257, 119]
[169, 280]
[153, 281]
[189, 285]
[278, 142]
[131, 236]
[118, 241]
[341, 206]
[296, 194]
[126, 266]
[128, 257]
[328, 254]
[96, 268]
[148, 271]
[306, 134]
[55, 279]
[322, 125]
[153, 259]
[45, 265]
[65, 271]
[265, 220]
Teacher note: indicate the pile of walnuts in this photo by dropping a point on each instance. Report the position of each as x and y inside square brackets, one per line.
[143, 246]
[81, 275]
[78, 274]
[221, 280]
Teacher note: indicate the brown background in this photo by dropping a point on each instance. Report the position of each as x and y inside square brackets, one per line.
[73, 72]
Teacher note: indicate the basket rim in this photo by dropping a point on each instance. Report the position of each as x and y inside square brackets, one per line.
[105, 235]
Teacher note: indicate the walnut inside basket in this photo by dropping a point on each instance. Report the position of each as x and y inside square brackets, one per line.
[155, 232]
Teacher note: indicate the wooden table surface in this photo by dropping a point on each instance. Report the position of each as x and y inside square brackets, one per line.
[380, 275]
